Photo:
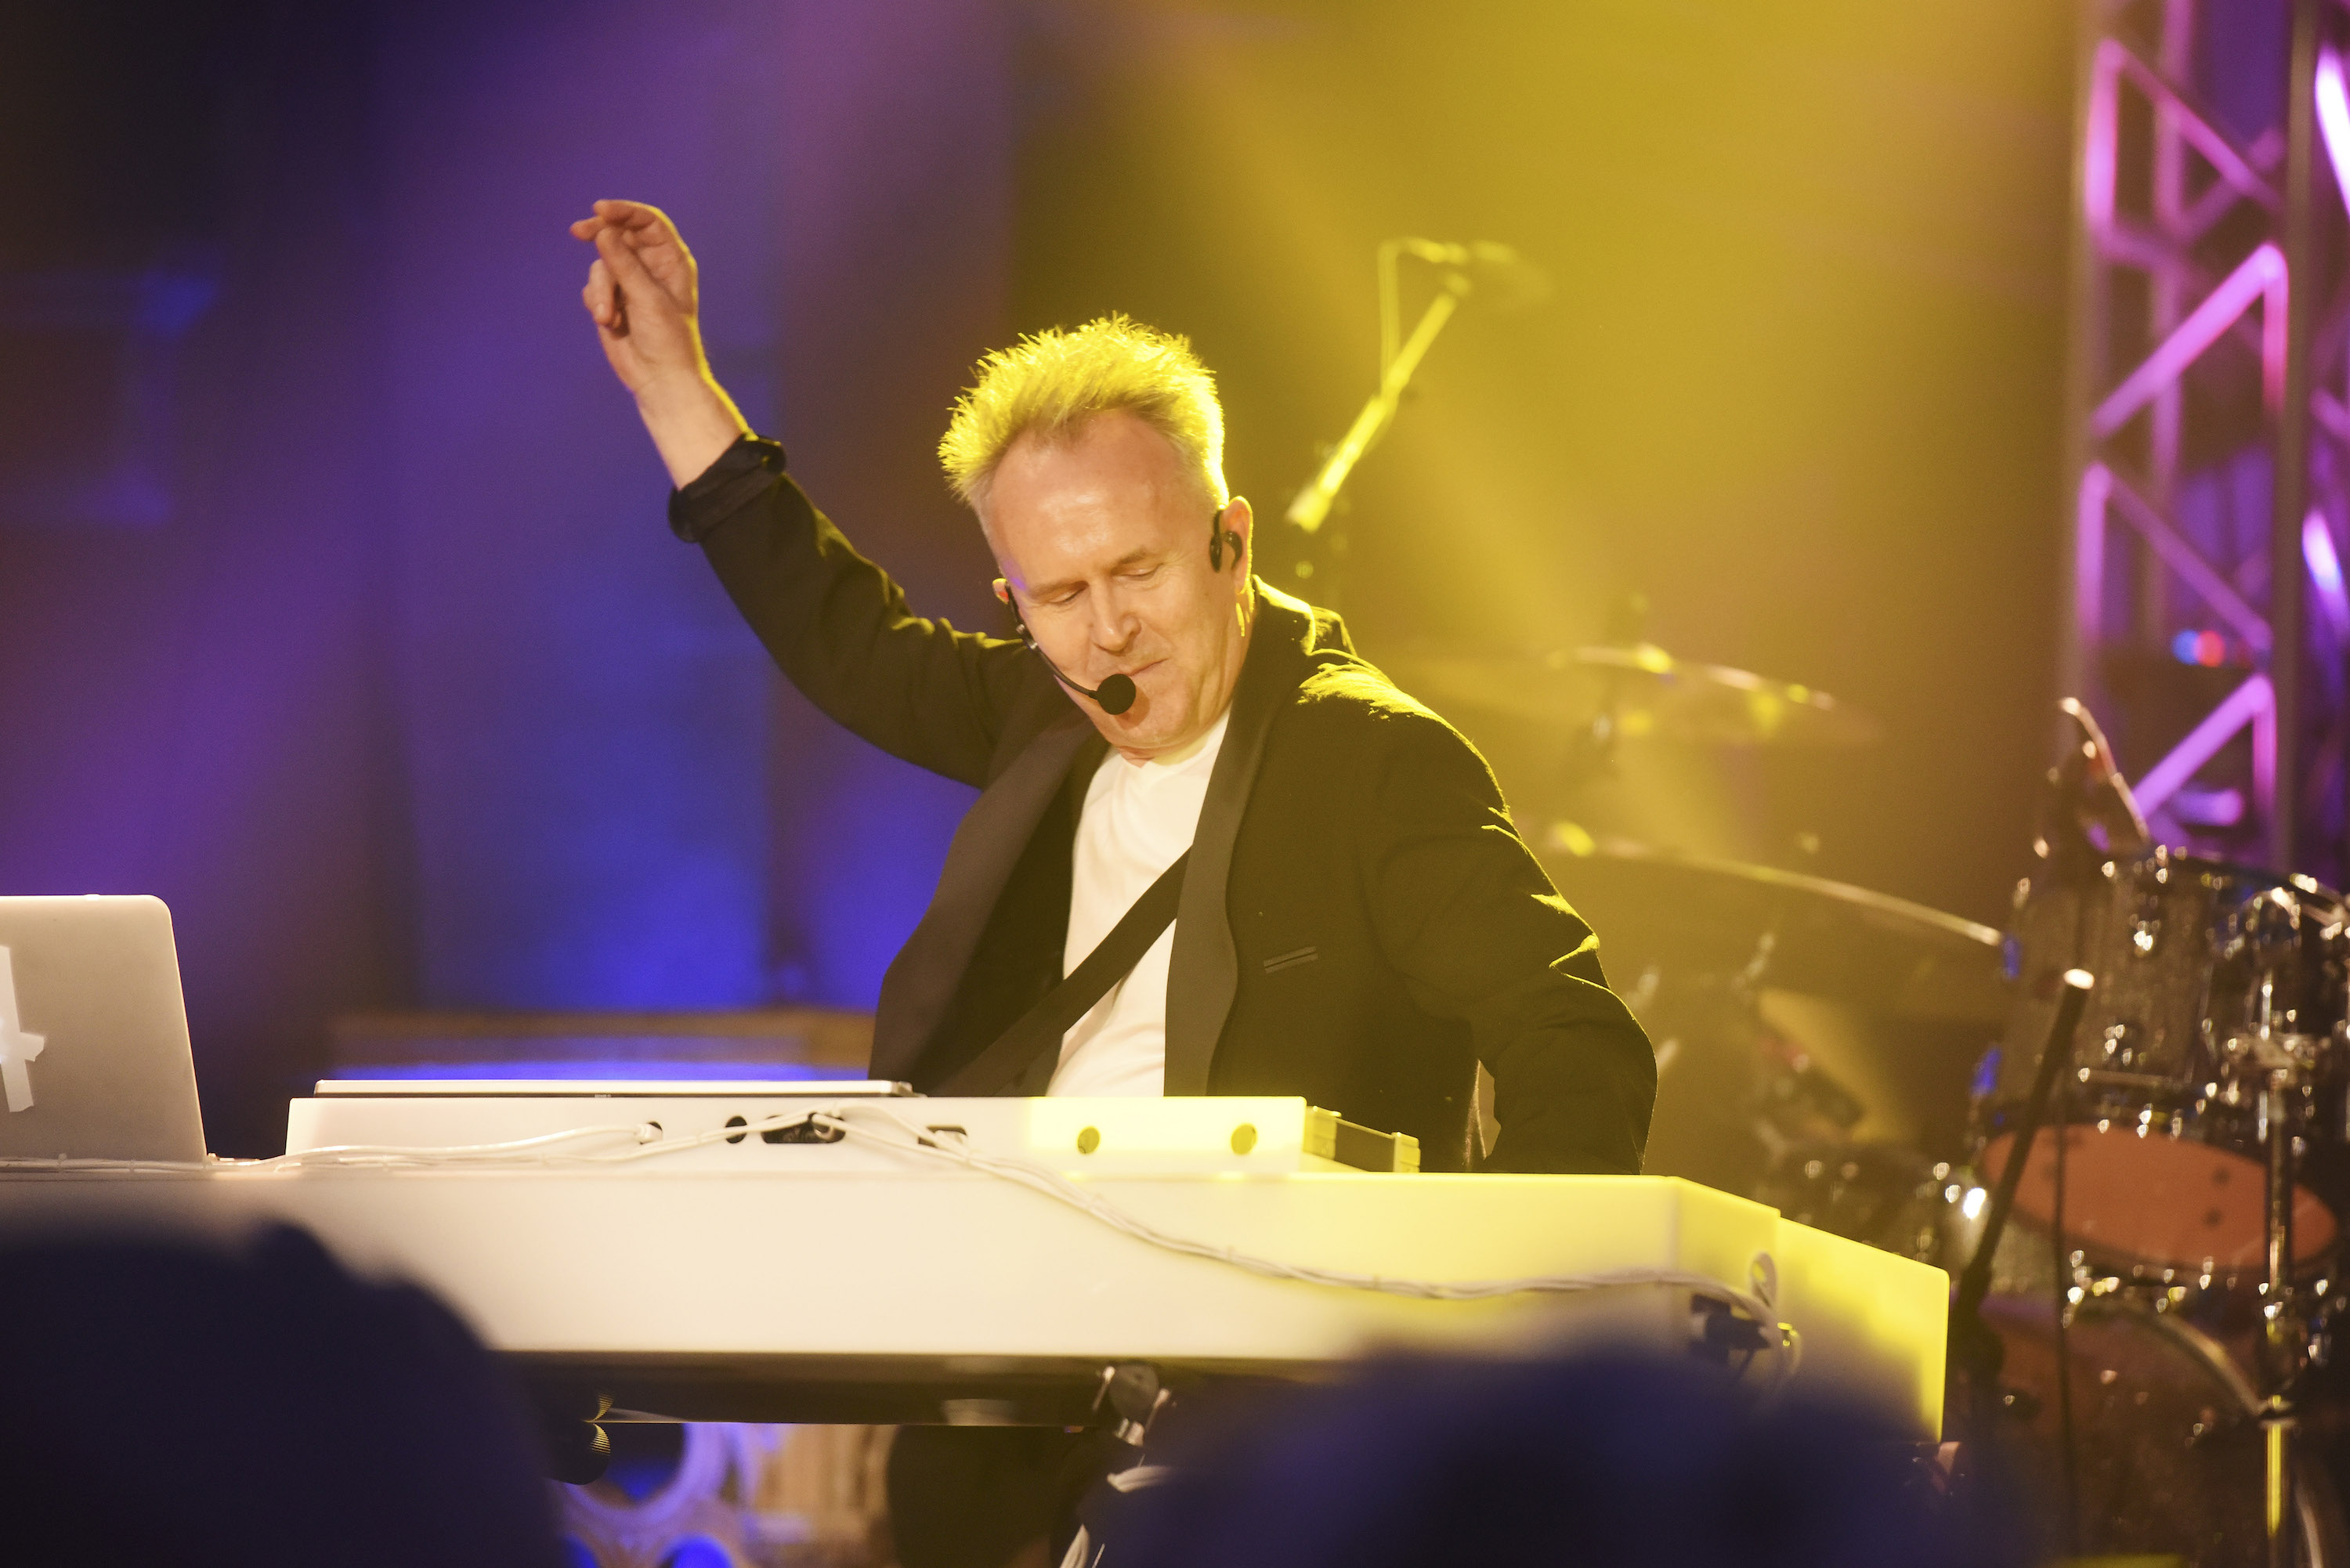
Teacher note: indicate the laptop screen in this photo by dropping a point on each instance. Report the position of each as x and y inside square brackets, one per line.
[94, 1058]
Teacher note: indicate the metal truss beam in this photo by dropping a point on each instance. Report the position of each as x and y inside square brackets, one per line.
[2219, 231]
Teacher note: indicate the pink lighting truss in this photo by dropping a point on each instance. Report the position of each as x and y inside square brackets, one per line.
[2252, 704]
[2260, 277]
[2114, 58]
[2197, 386]
[2101, 492]
[2325, 576]
[2333, 118]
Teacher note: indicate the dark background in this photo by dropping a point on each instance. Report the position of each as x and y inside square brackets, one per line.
[334, 602]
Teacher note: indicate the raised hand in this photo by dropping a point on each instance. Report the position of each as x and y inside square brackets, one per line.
[643, 293]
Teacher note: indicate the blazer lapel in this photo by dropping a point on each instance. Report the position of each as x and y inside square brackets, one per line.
[921, 980]
[1203, 970]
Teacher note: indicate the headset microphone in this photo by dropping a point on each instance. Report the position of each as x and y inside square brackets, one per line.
[1115, 695]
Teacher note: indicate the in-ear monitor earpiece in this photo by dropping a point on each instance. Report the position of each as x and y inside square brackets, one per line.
[1217, 534]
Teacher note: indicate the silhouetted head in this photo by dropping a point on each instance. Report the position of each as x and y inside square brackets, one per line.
[164, 1401]
[1609, 1462]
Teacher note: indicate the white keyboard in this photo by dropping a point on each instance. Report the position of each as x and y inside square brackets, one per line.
[868, 1278]
[1261, 1135]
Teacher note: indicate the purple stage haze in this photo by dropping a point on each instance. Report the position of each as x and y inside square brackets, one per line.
[411, 699]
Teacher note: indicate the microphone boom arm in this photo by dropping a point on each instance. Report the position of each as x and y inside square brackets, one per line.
[1312, 505]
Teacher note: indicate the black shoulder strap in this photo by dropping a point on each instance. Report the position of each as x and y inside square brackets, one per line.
[1041, 1027]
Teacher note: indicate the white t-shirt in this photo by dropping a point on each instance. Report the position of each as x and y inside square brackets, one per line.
[1137, 817]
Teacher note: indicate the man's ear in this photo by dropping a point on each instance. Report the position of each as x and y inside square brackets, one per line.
[1241, 519]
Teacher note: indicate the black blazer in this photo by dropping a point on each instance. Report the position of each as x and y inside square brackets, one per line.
[1360, 923]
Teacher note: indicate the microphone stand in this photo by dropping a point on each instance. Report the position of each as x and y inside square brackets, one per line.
[1311, 506]
[1975, 1351]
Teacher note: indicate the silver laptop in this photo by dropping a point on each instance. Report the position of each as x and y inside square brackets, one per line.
[94, 1059]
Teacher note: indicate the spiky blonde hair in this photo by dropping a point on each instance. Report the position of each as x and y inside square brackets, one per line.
[1052, 382]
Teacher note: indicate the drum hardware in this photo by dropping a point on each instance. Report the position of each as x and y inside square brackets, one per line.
[1886, 1195]
[2106, 1076]
[2090, 819]
[1760, 1092]
[1603, 695]
[1794, 1099]
[1797, 1094]
[1976, 1350]
[2287, 1340]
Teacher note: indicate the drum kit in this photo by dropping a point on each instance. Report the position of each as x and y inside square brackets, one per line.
[2160, 1272]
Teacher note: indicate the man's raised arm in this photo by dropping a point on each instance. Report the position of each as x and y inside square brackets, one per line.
[645, 296]
[836, 625]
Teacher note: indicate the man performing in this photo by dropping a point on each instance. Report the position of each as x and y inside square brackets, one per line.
[1354, 918]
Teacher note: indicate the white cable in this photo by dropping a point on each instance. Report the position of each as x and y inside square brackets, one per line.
[1759, 1304]
[29, 1163]
[533, 1150]
[541, 1150]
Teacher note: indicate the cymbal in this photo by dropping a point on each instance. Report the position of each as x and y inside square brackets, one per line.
[1642, 688]
[1884, 956]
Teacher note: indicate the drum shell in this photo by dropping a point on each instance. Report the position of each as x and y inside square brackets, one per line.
[2174, 980]
[2167, 1161]
[2165, 1438]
